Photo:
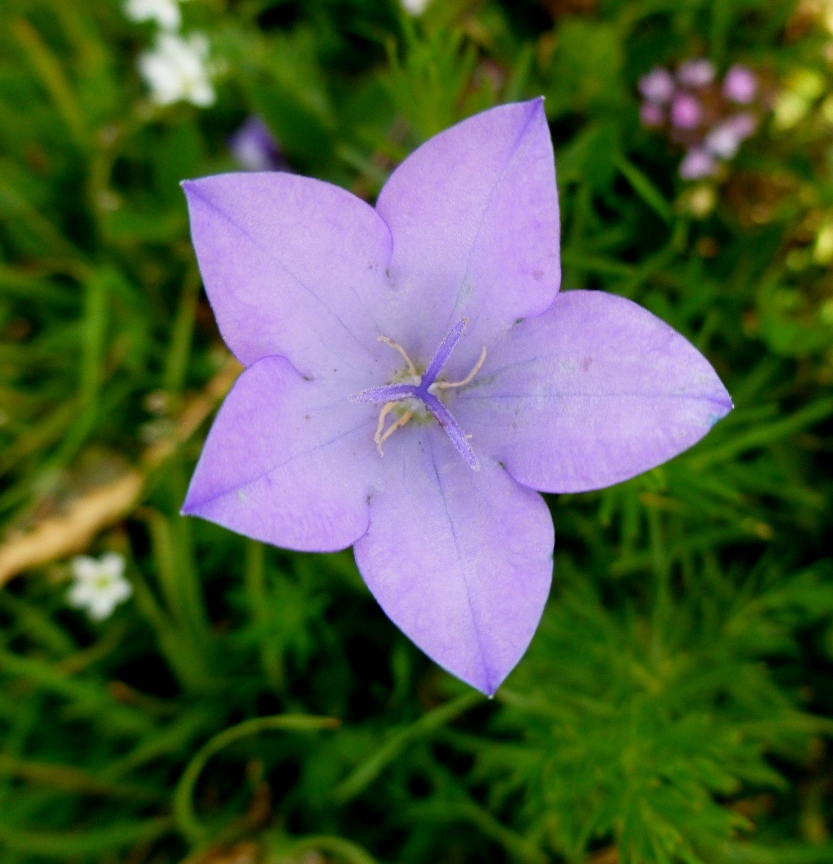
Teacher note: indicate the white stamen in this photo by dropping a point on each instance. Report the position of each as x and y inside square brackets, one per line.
[381, 435]
[401, 350]
[445, 385]
[393, 427]
[386, 409]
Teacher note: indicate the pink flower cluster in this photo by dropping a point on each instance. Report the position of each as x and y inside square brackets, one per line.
[700, 113]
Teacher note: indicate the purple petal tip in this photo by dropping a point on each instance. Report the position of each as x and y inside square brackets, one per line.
[724, 405]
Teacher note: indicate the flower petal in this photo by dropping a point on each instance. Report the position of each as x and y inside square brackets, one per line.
[84, 568]
[288, 461]
[291, 266]
[112, 563]
[591, 393]
[101, 606]
[474, 218]
[461, 561]
[81, 594]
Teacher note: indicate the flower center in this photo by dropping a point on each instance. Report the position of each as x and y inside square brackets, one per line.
[419, 393]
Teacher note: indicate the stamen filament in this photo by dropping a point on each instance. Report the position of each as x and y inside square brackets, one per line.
[402, 351]
[423, 389]
[392, 428]
[377, 438]
[445, 385]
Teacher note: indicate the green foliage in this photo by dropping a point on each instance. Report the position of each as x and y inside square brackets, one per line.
[675, 704]
[646, 720]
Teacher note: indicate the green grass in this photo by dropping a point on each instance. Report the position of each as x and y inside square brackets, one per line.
[675, 705]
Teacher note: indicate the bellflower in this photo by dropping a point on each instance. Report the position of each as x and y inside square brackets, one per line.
[413, 376]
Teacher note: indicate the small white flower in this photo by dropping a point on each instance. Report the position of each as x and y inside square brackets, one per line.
[164, 12]
[415, 7]
[177, 69]
[98, 586]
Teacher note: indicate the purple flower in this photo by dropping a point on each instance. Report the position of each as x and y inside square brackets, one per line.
[740, 84]
[722, 141]
[697, 164]
[743, 124]
[696, 73]
[657, 86]
[651, 114]
[413, 376]
[686, 111]
[255, 148]
[725, 138]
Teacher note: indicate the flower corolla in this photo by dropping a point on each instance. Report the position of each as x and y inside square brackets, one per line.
[177, 69]
[651, 114]
[98, 585]
[657, 86]
[696, 73]
[725, 138]
[697, 164]
[740, 84]
[413, 378]
[686, 111]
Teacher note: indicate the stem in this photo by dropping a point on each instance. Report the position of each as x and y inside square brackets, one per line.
[370, 769]
[333, 846]
[176, 363]
[184, 813]
[662, 597]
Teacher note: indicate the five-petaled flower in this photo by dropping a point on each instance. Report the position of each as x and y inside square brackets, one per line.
[413, 376]
[98, 586]
[177, 69]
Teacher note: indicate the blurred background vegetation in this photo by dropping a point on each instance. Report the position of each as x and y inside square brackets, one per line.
[246, 704]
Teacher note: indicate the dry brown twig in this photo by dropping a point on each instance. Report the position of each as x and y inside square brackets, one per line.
[73, 530]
